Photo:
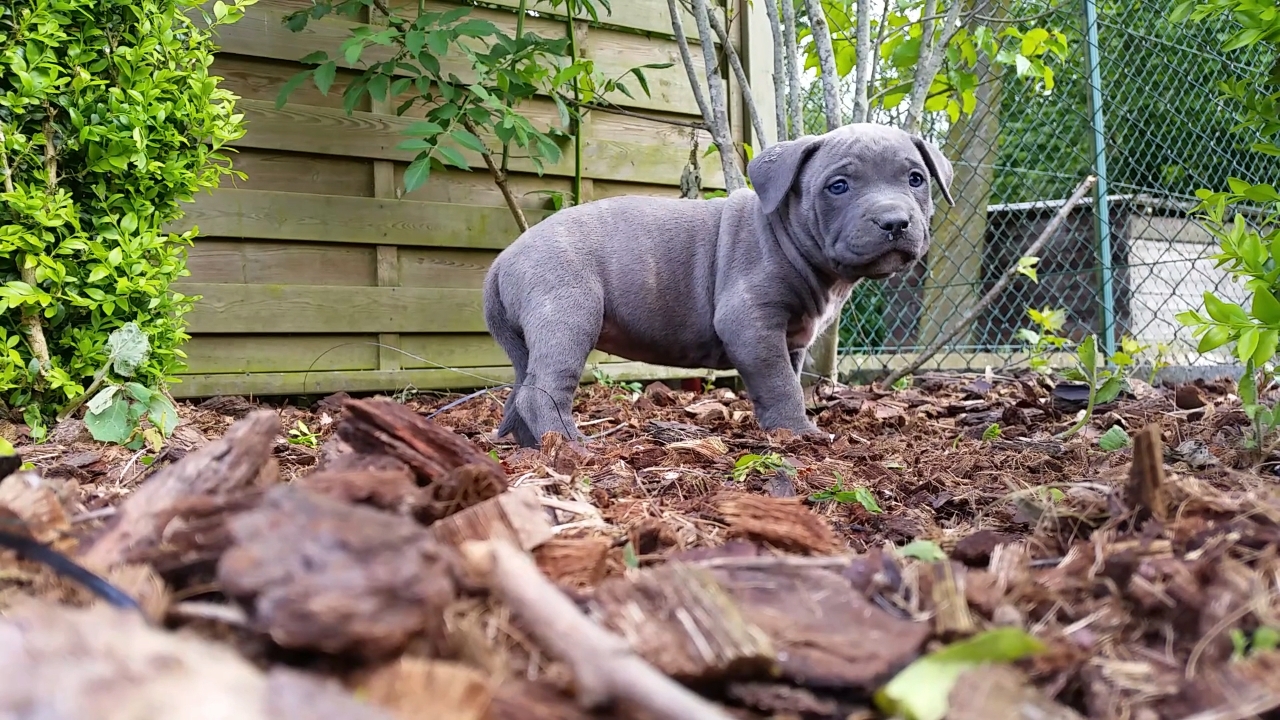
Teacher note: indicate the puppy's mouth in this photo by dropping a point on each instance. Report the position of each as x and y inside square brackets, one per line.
[884, 266]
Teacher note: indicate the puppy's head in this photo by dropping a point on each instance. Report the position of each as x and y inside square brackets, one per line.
[861, 192]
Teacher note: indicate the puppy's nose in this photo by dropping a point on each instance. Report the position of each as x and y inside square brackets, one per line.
[894, 222]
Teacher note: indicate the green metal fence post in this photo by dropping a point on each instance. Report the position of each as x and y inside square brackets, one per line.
[1102, 208]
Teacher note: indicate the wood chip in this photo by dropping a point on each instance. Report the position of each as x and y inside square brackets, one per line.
[515, 516]
[783, 522]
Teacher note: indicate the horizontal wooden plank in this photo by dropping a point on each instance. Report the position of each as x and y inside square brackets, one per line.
[279, 309]
[235, 354]
[198, 386]
[615, 147]
[287, 171]
[263, 34]
[217, 354]
[218, 260]
[423, 267]
[647, 16]
[267, 215]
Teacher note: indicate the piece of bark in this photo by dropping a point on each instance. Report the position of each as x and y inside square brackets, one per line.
[778, 699]
[35, 502]
[678, 618]
[975, 549]
[833, 636]
[101, 663]
[144, 585]
[573, 562]
[515, 516]
[951, 617]
[462, 474]
[422, 689]
[522, 700]
[1146, 488]
[392, 490]
[320, 574]
[785, 523]
[196, 530]
[1243, 689]
[221, 467]
[604, 668]
[1002, 691]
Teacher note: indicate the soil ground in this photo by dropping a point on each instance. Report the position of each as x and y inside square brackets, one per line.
[1149, 572]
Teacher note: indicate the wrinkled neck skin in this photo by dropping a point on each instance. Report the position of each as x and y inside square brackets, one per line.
[800, 244]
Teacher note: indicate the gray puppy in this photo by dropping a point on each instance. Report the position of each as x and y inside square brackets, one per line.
[744, 282]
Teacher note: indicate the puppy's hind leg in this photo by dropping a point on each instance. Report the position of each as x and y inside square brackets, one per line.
[510, 339]
[559, 344]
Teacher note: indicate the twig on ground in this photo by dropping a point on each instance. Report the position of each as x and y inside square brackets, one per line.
[605, 668]
[1049, 231]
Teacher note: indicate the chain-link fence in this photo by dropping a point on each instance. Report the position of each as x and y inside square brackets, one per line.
[1163, 134]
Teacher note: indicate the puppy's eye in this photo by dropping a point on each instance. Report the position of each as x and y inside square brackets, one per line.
[916, 178]
[838, 187]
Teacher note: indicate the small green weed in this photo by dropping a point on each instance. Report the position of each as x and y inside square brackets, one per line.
[1263, 639]
[1114, 439]
[769, 462]
[926, 550]
[861, 495]
[300, 434]
[991, 433]
[632, 389]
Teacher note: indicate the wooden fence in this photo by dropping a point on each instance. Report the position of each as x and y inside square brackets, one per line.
[314, 270]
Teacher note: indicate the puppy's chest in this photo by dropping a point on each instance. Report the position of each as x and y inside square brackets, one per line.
[803, 328]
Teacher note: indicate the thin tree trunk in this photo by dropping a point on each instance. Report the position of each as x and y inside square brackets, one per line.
[959, 232]
[686, 58]
[793, 71]
[735, 63]
[862, 74]
[719, 122]
[826, 62]
[931, 56]
[779, 74]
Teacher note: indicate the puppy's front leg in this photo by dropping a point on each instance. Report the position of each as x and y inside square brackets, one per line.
[757, 347]
[797, 362]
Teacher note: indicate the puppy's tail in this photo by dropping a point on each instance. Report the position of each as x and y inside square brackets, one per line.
[508, 337]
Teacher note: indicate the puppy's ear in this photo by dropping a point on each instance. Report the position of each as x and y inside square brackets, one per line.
[938, 164]
[774, 170]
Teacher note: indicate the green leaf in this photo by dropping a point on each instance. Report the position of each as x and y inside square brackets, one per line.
[424, 128]
[865, 498]
[1215, 337]
[99, 402]
[1266, 349]
[139, 392]
[921, 690]
[417, 173]
[1088, 354]
[1109, 390]
[925, 550]
[453, 157]
[1246, 344]
[324, 76]
[6, 448]
[1113, 439]
[1182, 11]
[467, 139]
[1265, 307]
[162, 414]
[111, 425]
[1224, 312]
[992, 432]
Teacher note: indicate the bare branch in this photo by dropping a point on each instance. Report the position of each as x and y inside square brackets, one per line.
[826, 62]
[604, 666]
[793, 72]
[719, 121]
[779, 77]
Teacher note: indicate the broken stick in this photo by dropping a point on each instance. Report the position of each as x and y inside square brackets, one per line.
[604, 667]
[1049, 231]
